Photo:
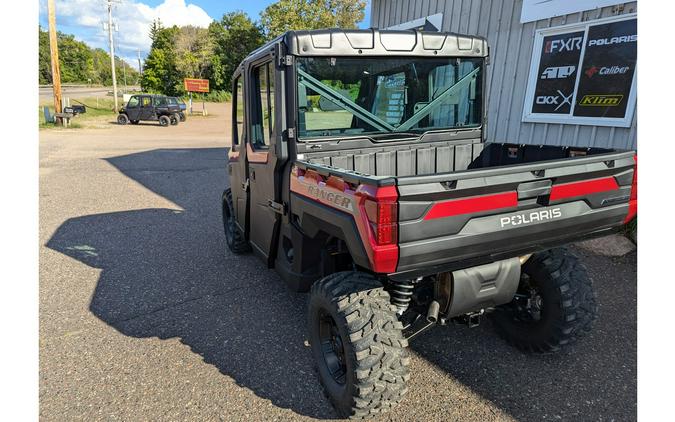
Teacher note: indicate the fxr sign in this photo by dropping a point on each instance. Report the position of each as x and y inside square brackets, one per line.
[564, 44]
[196, 85]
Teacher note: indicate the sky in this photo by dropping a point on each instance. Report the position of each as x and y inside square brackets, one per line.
[84, 19]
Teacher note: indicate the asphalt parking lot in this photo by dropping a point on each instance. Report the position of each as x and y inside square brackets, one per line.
[145, 314]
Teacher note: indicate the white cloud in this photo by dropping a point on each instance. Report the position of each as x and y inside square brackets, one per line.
[133, 20]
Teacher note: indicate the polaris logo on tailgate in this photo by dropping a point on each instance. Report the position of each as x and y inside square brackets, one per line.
[531, 217]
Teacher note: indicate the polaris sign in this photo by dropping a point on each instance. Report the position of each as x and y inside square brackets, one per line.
[530, 217]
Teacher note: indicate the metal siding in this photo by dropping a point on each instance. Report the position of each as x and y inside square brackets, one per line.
[511, 49]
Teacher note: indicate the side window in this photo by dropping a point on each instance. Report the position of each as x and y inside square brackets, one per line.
[146, 102]
[133, 102]
[262, 120]
[270, 96]
[238, 107]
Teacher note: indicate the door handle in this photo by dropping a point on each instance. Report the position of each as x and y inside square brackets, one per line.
[277, 207]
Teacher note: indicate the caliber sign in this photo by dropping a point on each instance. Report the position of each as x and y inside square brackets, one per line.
[196, 85]
[607, 72]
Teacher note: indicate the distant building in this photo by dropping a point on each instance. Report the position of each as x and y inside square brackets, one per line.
[561, 72]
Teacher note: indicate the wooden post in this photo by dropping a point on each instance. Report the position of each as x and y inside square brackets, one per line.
[54, 50]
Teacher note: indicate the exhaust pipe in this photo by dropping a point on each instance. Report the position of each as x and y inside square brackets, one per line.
[432, 312]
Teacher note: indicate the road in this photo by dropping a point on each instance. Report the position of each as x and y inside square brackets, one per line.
[80, 91]
[145, 315]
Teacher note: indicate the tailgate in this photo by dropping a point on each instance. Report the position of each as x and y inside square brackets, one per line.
[496, 212]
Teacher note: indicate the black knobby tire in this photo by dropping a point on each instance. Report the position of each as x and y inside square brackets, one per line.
[182, 116]
[235, 239]
[174, 119]
[122, 119]
[564, 302]
[164, 121]
[364, 370]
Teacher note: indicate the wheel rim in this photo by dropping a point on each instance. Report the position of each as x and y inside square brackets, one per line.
[332, 348]
[528, 304]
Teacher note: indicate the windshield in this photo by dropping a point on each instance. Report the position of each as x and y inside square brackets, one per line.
[353, 96]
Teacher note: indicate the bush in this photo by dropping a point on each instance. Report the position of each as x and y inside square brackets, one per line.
[212, 97]
[313, 101]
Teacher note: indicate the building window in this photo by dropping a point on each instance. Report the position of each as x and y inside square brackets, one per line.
[584, 74]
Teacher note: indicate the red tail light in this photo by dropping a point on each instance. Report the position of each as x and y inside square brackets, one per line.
[379, 208]
[632, 203]
[383, 217]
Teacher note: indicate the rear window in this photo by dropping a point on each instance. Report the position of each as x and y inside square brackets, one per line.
[380, 95]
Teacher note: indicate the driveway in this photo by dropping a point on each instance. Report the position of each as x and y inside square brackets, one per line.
[145, 314]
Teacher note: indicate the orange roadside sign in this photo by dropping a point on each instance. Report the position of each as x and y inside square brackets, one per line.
[196, 85]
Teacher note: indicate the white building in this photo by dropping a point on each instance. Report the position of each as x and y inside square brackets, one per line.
[561, 72]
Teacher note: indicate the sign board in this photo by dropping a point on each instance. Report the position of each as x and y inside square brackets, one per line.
[196, 85]
[584, 74]
[534, 10]
[428, 23]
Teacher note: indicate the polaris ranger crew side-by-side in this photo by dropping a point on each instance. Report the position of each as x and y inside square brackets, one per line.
[156, 108]
[359, 172]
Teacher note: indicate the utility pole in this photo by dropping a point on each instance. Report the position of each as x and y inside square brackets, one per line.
[140, 70]
[54, 50]
[112, 52]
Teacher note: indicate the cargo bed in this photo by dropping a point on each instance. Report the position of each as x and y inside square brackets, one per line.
[465, 201]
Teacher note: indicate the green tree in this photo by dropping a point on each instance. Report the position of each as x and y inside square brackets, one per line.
[44, 59]
[286, 15]
[233, 37]
[194, 49]
[79, 63]
[160, 73]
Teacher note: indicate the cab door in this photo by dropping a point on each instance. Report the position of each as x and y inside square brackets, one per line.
[132, 108]
[260, 156]
[147, 110]
[237, 170]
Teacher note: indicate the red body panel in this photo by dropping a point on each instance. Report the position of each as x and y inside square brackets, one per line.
[586, 187]
[472, 205]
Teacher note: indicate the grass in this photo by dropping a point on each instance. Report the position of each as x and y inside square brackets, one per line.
[97, 113]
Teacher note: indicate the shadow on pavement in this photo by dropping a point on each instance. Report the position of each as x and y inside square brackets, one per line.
[595, 379]
[167, 273]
